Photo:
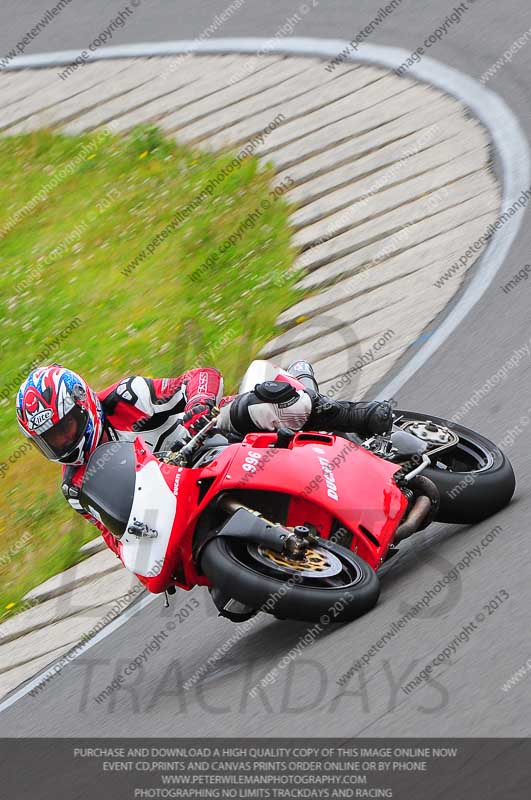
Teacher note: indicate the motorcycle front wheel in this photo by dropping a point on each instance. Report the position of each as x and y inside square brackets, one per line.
[331, 584]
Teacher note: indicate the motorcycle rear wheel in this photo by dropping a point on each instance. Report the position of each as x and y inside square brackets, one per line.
[475, 479]
[279, 589]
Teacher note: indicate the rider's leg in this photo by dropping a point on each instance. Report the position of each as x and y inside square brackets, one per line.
[275, 404]
[342, 416]
[364, 418]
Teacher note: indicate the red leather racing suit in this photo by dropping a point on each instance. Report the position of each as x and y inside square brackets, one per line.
[147, 407]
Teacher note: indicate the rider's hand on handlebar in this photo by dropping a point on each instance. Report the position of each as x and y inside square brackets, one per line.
[198, 416]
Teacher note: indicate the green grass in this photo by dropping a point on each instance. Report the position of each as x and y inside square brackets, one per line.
[154, 322]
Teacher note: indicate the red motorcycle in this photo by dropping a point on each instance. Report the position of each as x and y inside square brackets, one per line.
[292, 523]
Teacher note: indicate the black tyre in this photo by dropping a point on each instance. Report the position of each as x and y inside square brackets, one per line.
[270, 583]
[475, 479]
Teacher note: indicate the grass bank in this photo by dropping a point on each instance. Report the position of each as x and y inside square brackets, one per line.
[121, 256]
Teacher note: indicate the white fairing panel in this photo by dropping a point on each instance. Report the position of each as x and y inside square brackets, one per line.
[154, 504]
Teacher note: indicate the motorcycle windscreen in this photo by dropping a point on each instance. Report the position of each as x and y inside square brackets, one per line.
[108, 488]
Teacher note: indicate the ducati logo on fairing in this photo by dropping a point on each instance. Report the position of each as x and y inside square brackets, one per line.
[177, 481]
[328, 475]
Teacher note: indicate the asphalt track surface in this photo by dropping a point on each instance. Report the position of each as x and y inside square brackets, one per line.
[465, 698]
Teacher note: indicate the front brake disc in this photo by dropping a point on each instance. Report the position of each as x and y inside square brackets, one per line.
[316, 562]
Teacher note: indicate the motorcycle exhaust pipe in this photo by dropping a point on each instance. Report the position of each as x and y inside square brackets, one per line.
[414, 520]
[424, 509]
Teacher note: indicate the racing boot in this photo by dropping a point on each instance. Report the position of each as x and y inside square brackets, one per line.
[303, 371]
[364, 418]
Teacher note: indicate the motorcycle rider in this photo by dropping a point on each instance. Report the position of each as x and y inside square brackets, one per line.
[66, 419]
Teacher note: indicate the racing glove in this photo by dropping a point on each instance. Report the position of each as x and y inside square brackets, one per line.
[195, 419]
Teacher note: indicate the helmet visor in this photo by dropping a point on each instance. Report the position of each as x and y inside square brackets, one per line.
[61, 439]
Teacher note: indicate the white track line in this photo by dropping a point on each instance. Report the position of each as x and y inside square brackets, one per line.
[110, 628]
[507, 135]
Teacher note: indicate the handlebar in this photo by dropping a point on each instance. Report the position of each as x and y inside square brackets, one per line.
[183, 457]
